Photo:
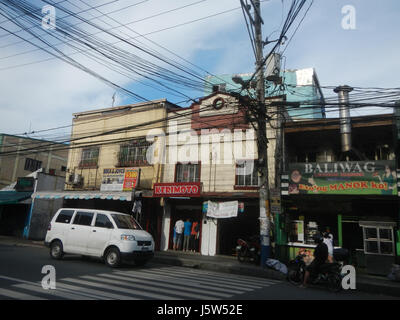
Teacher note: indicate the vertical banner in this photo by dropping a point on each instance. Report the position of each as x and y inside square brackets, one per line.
[131, 179]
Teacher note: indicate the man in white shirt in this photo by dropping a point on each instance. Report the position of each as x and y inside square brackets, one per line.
[179, 226]
[328, 240]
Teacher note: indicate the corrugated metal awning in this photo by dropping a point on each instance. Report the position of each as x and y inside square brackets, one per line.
[13, 197]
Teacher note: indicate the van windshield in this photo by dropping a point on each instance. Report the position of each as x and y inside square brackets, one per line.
[125, 222]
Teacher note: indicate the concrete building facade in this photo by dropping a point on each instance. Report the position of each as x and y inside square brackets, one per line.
[20, 156]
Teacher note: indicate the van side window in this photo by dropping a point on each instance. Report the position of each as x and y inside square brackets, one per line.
[83, 218]
[101, 221]
[65, 216]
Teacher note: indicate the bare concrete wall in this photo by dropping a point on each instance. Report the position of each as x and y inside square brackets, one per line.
[43, 212]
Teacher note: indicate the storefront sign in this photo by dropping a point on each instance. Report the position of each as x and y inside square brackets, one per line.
[177, 189]
[222, 209]
[120, 179]
[353, 177]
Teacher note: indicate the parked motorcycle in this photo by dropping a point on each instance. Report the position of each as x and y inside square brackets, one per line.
[248, 250]
[329, 274]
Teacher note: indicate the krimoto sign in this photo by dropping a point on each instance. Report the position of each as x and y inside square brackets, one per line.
[177, 189]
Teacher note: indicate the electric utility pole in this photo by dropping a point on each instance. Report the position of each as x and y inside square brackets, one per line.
[262, 147]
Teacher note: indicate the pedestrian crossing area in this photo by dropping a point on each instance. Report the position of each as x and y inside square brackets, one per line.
[151, 283]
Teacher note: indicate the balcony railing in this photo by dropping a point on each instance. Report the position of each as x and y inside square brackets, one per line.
[88, 163]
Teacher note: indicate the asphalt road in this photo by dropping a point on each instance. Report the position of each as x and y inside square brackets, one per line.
[79, 278]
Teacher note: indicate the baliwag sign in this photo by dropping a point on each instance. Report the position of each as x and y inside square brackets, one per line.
[352, 177]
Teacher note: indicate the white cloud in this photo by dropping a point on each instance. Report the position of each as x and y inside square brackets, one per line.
[45, 95]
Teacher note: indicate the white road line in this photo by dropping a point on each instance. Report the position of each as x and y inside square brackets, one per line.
[58, 285]
[119, 289]
[173, 292]
[213, 279]
[188, 283]
[237, 278]
[178, 289]
[55, 293]
[95, 294]
[250, 281]
[18, 295]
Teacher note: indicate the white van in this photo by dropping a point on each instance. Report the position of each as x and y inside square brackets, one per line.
[113, 236]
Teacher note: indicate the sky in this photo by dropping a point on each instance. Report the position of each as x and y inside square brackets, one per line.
[39, 92]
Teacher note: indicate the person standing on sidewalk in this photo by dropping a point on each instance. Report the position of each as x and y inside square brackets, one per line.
[179, 226]
[194, 236]
[187, 231]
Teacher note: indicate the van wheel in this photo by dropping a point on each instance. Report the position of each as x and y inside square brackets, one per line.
[56, 250]
[112, 257]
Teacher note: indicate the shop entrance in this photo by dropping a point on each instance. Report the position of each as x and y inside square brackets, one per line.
[184, 212]
[243, 226]
[13, 218]
[352, 238]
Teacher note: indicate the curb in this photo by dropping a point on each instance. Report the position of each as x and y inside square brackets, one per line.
[391, 289]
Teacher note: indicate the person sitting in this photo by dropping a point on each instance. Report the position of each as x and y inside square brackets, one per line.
[320, 257]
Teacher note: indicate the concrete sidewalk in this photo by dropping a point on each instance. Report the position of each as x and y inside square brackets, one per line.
[228, 264]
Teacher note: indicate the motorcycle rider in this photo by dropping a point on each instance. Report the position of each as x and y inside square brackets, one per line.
[320, 257]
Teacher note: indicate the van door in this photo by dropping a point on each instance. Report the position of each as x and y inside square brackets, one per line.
[100, 235]
[61, 225]
[78, 233]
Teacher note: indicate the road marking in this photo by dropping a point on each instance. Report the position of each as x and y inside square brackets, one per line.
[237, 278]
[173, 287]
[215, 279]
[194, 283]
[118, 289]
[171, 283]
[174, 292]
[18, 295]
[62, 293]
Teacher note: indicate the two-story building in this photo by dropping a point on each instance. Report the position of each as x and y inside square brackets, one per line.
[354, 193]
[110, 162]
[21, 160]
[20, 156]
[210, 173]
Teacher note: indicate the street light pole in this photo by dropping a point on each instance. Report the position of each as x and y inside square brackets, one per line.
[262, 140]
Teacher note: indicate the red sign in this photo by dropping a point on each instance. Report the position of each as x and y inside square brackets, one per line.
[131, 178]
[177, 189]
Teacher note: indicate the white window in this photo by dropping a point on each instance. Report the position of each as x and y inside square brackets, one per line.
[89, 157]
[133, 154]
[189, 172]
[247, 174]
[378, 240]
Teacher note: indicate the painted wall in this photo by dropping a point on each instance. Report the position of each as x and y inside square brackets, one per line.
[102, 121]
[299, 85]
[13, 166]
[214, 147]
